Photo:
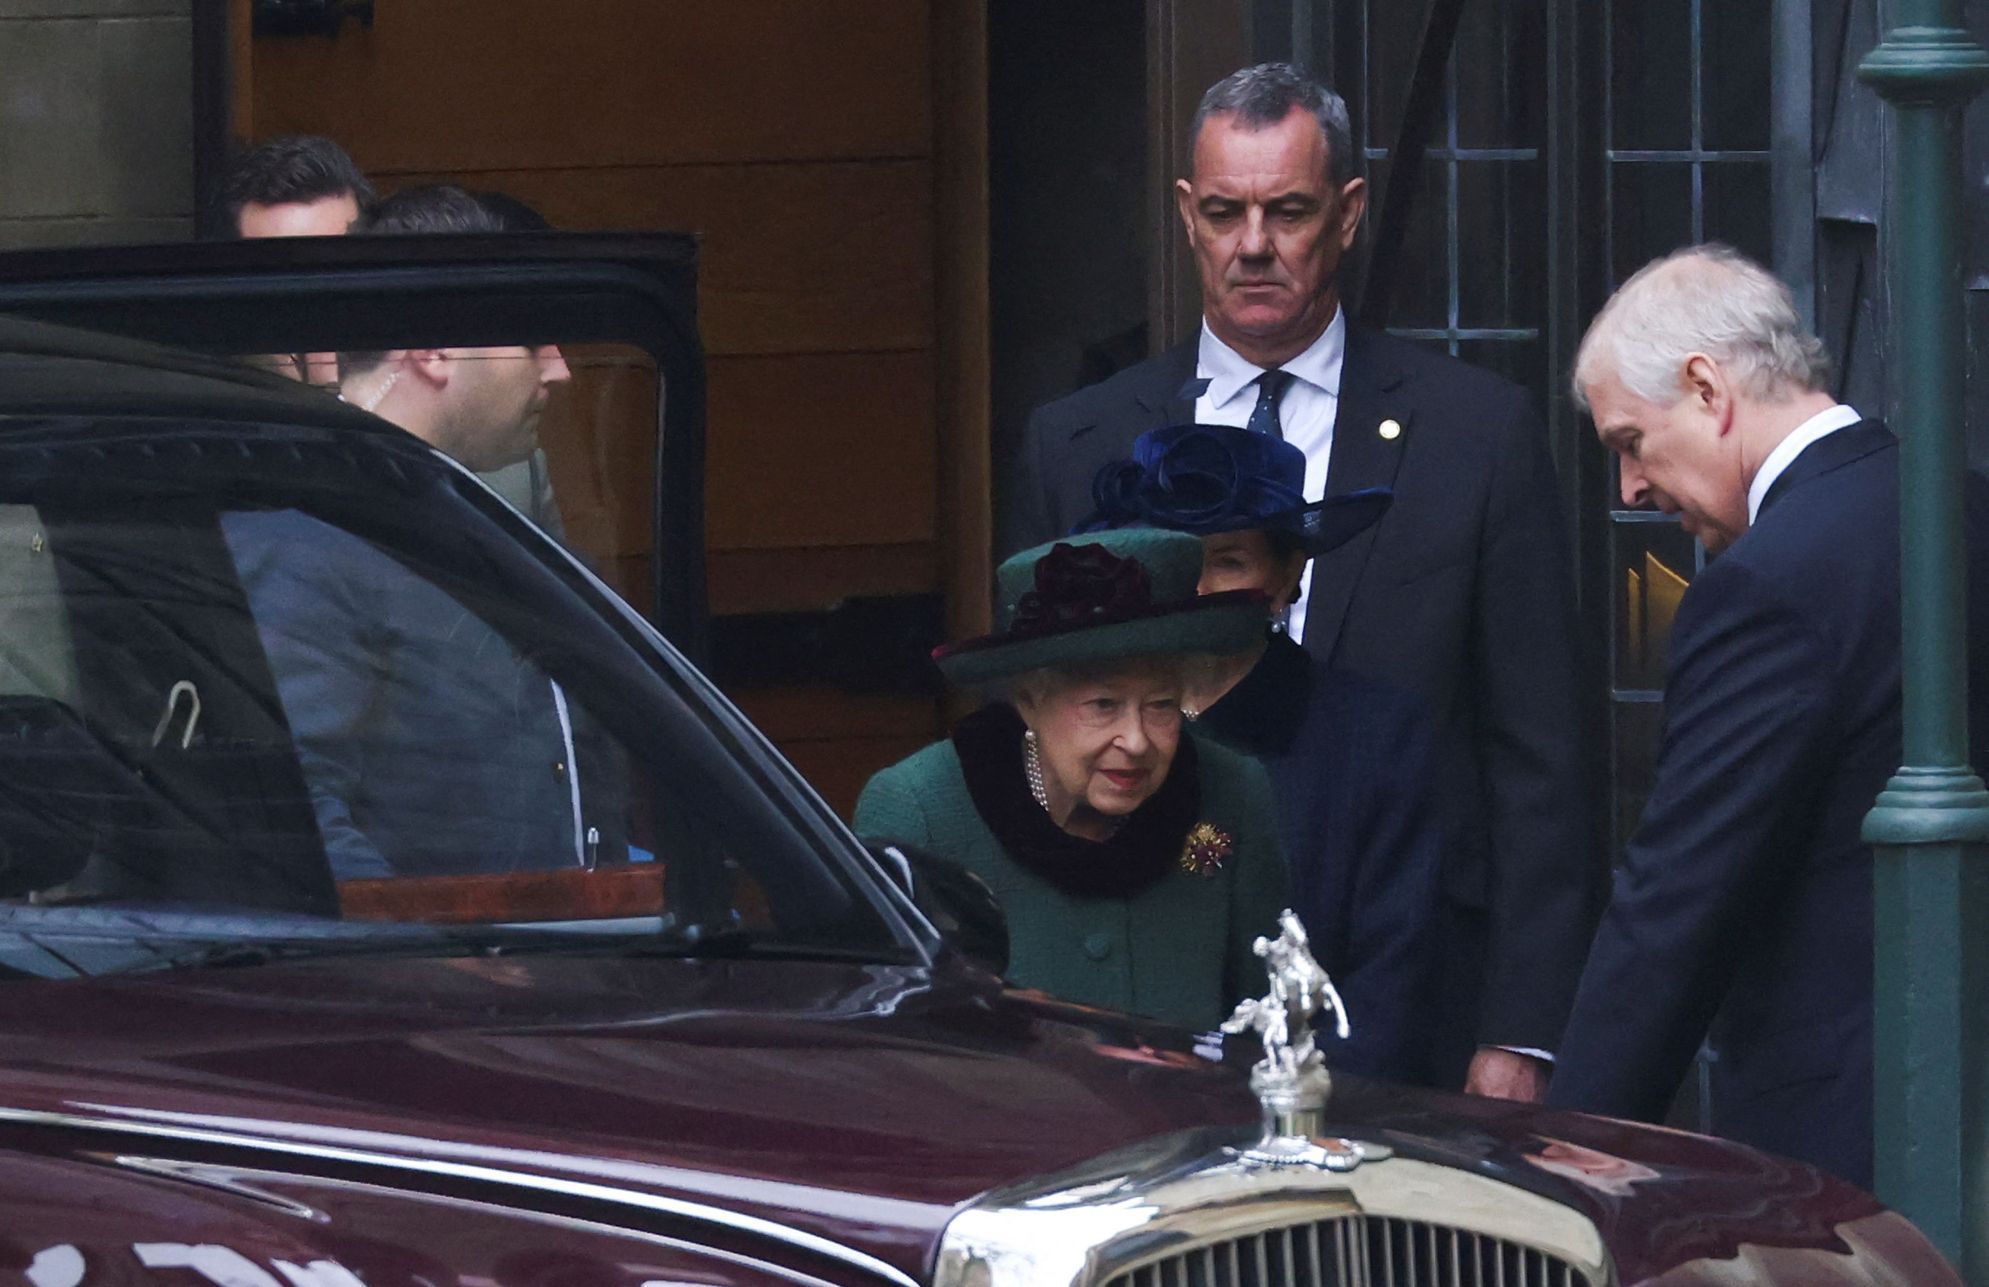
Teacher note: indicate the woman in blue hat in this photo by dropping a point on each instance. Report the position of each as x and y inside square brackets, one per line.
[1350, 759]
[1135, 864]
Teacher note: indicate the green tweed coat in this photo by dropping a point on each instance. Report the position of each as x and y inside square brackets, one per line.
[1177, 950]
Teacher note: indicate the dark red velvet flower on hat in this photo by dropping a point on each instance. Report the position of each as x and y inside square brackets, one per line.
[1078, 584]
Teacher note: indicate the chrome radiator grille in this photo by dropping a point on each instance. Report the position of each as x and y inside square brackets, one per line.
[1358, 1251]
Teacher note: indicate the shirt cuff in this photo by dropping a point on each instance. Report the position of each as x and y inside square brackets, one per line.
[1529, 1051]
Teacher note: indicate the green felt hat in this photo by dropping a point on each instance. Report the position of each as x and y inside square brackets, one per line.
[1101, 597]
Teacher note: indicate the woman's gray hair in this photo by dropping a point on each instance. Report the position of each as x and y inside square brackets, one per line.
[1045, 681]
[1708, 299]
[1263, 95]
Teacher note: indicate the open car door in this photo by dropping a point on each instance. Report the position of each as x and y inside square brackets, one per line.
[618, 474]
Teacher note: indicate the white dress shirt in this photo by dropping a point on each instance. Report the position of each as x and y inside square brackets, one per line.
[1306, 413]
[1821, 425]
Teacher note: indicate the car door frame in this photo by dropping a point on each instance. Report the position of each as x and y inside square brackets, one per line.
[326, 294]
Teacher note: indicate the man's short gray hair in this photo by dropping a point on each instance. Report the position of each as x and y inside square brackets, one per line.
[1707, 299]
[1263, 95]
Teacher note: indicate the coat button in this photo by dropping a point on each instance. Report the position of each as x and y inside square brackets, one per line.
[1098, 945]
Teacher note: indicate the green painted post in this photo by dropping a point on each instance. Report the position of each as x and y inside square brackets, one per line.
[1931, 825]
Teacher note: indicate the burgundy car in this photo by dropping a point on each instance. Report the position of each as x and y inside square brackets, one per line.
[703, 1037]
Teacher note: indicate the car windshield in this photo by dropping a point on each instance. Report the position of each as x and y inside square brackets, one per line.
[273, 690]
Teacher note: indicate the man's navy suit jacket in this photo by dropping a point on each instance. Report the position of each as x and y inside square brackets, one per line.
[1351, 762]
[1462, 595]
[430, 745]
[1743, 909]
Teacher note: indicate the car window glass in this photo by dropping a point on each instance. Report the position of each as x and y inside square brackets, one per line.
[284, 674]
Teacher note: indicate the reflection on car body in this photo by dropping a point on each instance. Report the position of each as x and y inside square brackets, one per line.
[749, 1060]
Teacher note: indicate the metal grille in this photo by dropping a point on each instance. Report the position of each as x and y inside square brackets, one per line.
[1358, 1251]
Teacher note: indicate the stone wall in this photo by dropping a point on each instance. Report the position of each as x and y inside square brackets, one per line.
[96, 121]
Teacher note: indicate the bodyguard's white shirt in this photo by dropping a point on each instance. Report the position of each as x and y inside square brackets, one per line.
[1310, 405]
[1821, 425]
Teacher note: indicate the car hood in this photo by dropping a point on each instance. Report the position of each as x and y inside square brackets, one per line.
[864, 1105]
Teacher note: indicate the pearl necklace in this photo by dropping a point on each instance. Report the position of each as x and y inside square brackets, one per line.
[1032, 768]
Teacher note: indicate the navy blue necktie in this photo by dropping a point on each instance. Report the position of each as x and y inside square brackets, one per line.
[1271, 387]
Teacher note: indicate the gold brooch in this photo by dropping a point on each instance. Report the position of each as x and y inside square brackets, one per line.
[1207, 849]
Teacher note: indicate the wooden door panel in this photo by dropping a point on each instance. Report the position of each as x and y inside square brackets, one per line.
[810, 580]
[818, 257]
[510, 84]
[821, 449]
[837, 740]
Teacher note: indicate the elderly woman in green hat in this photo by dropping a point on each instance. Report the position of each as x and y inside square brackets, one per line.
[1135, 864]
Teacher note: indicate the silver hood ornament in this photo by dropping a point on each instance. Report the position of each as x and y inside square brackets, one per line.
[1291, 1080]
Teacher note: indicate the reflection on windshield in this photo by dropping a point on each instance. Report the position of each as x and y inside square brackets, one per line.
[314, 684]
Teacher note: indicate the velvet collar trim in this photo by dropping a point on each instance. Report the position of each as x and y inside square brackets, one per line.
[1140, 853]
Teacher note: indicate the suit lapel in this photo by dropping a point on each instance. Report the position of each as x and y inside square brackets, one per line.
[1373, 390]
[1168, 399]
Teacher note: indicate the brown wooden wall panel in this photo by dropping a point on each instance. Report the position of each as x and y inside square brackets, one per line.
[837, 740]
[803, 712]
[802, 258]
[838, 769]
[809, 580]
[821, 449]
[509, 84]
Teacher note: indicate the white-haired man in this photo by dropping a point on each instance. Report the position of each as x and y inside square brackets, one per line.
[1741, 916]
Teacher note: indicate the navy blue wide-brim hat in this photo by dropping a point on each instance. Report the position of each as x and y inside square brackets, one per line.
[1102, 598]
[1204, 479]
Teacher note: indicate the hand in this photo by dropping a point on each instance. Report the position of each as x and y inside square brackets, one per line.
[1507, 1074]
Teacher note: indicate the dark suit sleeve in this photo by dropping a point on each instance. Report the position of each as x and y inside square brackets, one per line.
[1026, 509]
[1544, 873]
[1385, 971]
[304, 585]
[1263, 883]
[1745, 703]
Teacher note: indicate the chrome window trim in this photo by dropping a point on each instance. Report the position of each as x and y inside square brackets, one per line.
[676, 1208]
[1180, 1192]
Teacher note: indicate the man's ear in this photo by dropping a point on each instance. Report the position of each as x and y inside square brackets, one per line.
[1184, 201]
[430, 366]
[1705, 383]
[1353, 208]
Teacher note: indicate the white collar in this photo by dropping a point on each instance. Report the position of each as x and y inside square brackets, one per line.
[1821, 425]
[1229, 372]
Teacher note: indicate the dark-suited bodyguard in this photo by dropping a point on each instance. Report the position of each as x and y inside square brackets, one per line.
[1136, 864]
[1742, 914]
[1462, 594]
[1349, 758]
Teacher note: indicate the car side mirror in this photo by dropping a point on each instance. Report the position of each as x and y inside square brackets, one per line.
[958, 902]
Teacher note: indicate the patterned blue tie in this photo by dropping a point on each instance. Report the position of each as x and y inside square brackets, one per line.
[1271, 386]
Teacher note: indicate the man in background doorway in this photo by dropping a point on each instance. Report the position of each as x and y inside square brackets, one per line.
[300, 185]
